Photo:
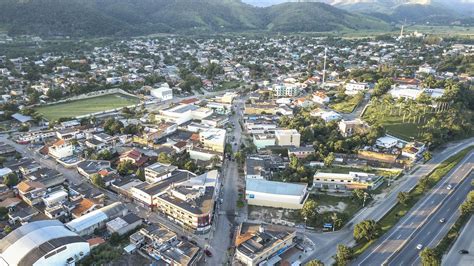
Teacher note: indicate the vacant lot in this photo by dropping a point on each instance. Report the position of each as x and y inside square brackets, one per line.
[394, 123]
[86, 106]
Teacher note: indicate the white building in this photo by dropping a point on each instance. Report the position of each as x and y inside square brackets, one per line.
[262, 140]
[352, 180]
[386, 142]
[213, 139]
[353, 88]
[287, 137]
[61, 149]
[405, 92]
[46, 242]
[163, 93]
[261, 192]
[183, 113]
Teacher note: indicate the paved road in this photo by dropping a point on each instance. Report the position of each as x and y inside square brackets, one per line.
[464, 241]
[226, 219]
[421, 224]
[327, 242]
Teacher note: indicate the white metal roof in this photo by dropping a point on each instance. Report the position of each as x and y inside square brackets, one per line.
[87, 220]
[273, 187]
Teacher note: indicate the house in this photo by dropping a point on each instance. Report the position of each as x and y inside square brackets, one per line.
[413, 150]
[213, 139]
[61, 149]
[158, 172]
[88, 168]
[320, 97]
[300, 152]
[134, 156]
[85, 206]
[123, 225]
[263, 140]
[351, 127]
[352, 88]
[386, 142]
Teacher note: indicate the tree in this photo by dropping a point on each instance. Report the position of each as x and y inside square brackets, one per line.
[7, 229]
[315, 263]
[467, 208]
[190, 166]
[429, 257]
[329, 160]
[124, 167]
[114, 239]
[403, 198]
[140, 174]
[164, 158]
[97, 180]
[10, 180]
[344, 255]
[310, 210]
[427, 156]
[367, 230]
[336, 221]
[358, 194]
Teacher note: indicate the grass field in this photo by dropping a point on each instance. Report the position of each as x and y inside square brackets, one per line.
[349, 105]
[85, 106]
[393, 124]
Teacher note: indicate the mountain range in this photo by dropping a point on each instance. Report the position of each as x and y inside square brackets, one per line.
[138, 17]
[81, 18]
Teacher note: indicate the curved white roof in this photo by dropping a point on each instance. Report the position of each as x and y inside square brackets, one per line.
[25, 239]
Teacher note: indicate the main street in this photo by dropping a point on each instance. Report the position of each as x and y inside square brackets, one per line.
[421, 224]
[227, 217]
[327, 242]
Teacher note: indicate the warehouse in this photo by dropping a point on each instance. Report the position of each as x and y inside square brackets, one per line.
[42, 243]
[86, 224]
[266, 193]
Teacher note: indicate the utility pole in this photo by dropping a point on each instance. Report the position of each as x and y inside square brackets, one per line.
[324, 67]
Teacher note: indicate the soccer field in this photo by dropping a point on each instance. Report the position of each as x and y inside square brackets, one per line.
[86, 106]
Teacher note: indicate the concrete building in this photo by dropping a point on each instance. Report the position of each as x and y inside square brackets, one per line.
[274, 194]
[256, 245]
[61, 149]
[264, 140]
[350, 181]
[349, 128]
[213, 139]
[183, 113]
[123, 225]
[158, 172]
[287, 137]
[86, 224]
[353, 88]
[163, 93]
[300, 152]
[42, 243]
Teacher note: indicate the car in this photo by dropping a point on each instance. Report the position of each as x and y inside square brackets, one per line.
[463, 251]
[442, 220]
[419, 246]
[208, 253]
[449, 187]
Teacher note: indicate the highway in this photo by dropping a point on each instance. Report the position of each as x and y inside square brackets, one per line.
[327, 242]
[464, 241]
[421, 224]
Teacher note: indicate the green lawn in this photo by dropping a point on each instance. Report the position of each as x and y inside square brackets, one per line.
[86, 106]
[347, 106]
[393, 123]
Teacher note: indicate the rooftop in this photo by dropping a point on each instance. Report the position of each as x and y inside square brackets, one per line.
[274, 187]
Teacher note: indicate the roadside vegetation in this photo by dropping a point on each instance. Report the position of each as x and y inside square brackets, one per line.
[346, 103]
[406, 200]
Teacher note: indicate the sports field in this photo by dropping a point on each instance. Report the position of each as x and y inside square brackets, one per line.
[86, 106]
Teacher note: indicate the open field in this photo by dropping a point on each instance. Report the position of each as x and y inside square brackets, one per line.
[393, 123]
[347, 106]
[86, 106]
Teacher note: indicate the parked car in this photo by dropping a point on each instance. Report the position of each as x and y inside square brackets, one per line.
[208, 253]
[449, 187]
[463, 251]
[419, 246]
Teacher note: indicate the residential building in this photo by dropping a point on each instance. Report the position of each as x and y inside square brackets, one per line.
[351, 127]
[213, 139]
[300, 152]
[257, 245]
[61, 149]
[320, 97]
[353, 87]
[287, 137]
[123, 225]
[163, 93]
[263, 140]
[158, 172]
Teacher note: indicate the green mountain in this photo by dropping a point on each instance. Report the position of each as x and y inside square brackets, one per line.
[138, 17]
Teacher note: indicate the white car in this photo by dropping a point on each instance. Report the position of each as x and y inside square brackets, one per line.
[419, 246]
[449, 187]
[442, 220]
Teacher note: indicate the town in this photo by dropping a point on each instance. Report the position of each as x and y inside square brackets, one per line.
[236, 150]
